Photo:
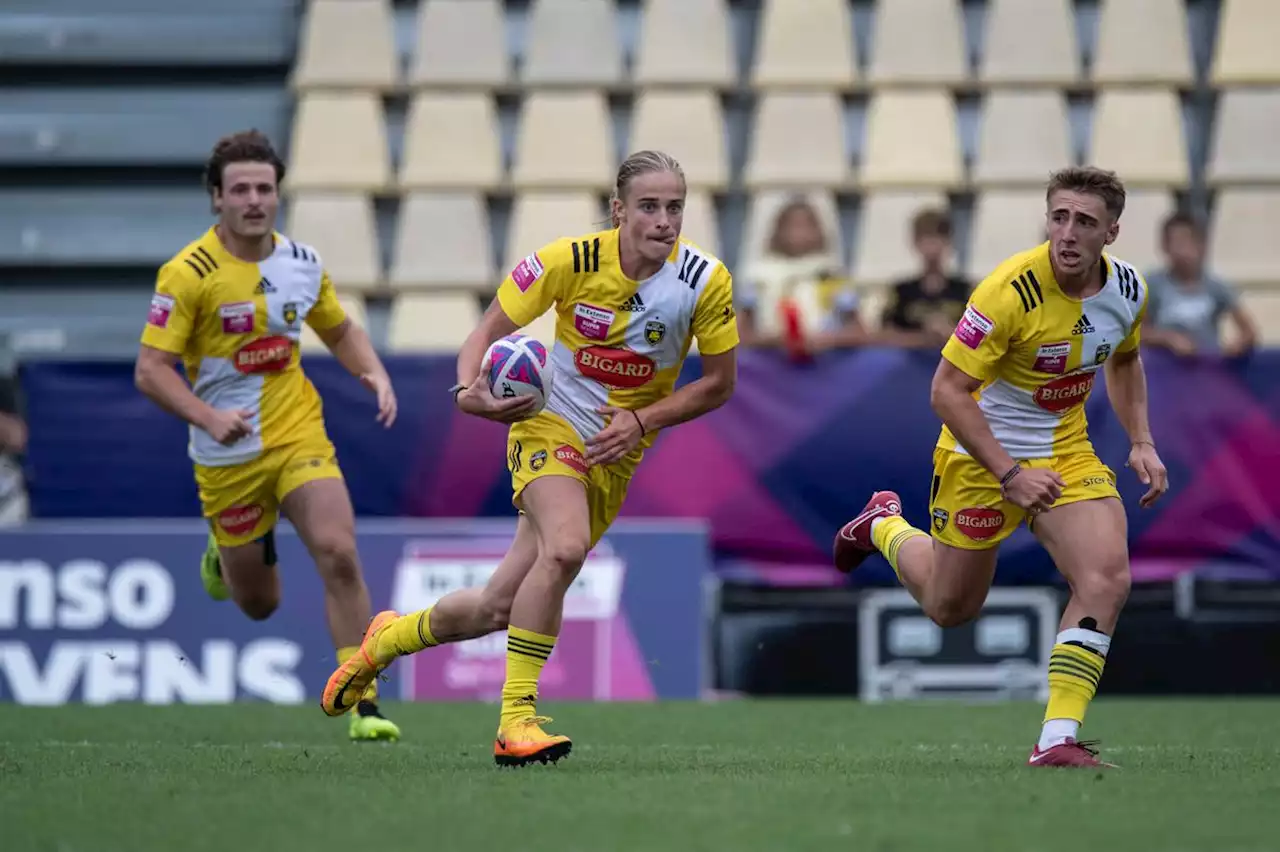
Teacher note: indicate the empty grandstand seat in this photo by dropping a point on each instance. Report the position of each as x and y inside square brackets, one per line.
[564, 140]
[339, 143]
[918, 41]
[1143, 41]
[432, 322]
[1139, 241]
[451, 139]
[912, 140]
[572, 42]
[685, 42]
[347, 44]
[1005, 222]
[1264, 307]
[459, 43]
[1030, 42]
[762, 213]
[538, 218]
[341, 227]
[79, 126]
[1025, 136]
[883, 248]
[99, 226]
[1245, 50]
[700, 225]
[1242, 241]
[1138, 133]
[797, 139]
[354, 306]
[808, 43]
[147, 32]
[688, 125]
[442, 239]
[1243, 148]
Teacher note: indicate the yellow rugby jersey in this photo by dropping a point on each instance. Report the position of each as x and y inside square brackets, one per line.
[236, 326]
[618, 341]
[1036, 351]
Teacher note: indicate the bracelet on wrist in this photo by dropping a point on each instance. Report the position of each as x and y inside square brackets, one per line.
[1010, 474]
[639, 422]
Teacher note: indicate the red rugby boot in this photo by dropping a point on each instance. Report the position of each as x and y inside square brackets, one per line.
[1072, 754]
[853, 543]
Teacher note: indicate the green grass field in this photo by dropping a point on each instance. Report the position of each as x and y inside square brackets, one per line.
[775, 775]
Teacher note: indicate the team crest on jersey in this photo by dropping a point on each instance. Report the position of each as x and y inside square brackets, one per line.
[940, 518]
[1102, 353]
[290, 313]
[537, 460]
[654, 331]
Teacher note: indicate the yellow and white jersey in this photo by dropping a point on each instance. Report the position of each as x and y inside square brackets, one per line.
[236, 326]
[1036, 351]
[618, 341]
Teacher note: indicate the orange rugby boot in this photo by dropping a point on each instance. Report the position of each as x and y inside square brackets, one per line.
[346, 686]
[523, 741]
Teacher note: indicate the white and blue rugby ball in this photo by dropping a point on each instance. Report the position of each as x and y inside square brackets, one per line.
[518, 367]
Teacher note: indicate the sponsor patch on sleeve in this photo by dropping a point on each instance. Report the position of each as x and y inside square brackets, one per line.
[161, 309]
[973, 327]
[527, 272]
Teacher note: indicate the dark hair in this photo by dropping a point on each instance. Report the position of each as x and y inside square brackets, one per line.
[1090, 180]
[640, 163]
[247, 146]
[931, 222]
[795, 205]
[1181, 219]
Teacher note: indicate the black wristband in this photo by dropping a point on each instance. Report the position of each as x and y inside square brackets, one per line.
[455, 390]
[638, 421]
[1008, 477]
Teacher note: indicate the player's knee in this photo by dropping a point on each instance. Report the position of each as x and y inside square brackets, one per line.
[335, 556]
[952, 612]
[1106, 587]
[259, 607]
[564, 556]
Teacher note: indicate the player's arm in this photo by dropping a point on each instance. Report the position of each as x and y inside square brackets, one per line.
[350, 344]
[1127, 392]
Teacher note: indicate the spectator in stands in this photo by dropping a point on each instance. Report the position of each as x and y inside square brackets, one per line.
[796, 297]
[922, 311]
[1187, 304]
[13, 444]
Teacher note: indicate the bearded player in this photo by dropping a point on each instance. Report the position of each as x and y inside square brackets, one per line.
[629, 302]
[1010, 390]
[231, 306]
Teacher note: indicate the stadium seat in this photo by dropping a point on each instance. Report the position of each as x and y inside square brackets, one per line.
[1242, 241]
[353, 305]
[442, 240]
[1264, 307]
[688, 125]
[451, 139]
[99, 226]
[432, 322]
[1139, 241]
[883, 247]
[1143, 41]
[1245, 51]
[912, 140]
[1005, 222]
[123, 125]
[700, 221]
[918, 41]
[1030, 42]
[572, 43]
[543, 329]
[797, 139]
[1024, 136]
[564, 141]
[339, 143]
[762, 213]
[341, 227]
[346, 44]
[1243, 147]
[1138, 134]
[805, 44]
[460, 43]
[538, 218]
[685, 42]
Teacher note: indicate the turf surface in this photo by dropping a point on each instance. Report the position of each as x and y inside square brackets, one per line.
[757, 775]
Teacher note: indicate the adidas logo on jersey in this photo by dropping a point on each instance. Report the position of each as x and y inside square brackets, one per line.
[633, 305]
[1083, 326]
[264, 286]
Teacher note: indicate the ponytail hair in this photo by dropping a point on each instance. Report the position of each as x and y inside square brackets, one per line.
[640, 163]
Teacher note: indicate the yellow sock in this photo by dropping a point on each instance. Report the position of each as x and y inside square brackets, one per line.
[1075, 667]
[889, 534]
[371, 692]
[526, 653]
[408, 634]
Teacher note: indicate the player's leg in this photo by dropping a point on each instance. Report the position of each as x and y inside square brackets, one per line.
[249, 572]
[239, 562]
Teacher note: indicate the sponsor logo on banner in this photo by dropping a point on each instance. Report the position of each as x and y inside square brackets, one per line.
[527, 272]
[237, 318]
[1064, 393]
[979, 522]
[266, 355]
[160, 311]
[615, 368]
[1052, 358]
[240, 520]
[592, 322]
[570, 457]
[973, 328]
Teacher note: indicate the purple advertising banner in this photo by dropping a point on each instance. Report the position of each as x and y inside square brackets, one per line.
[106, 611]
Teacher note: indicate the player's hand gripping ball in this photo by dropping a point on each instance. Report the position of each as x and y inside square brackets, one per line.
[518, 368]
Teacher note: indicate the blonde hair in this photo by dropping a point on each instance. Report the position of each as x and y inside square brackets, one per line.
[1090, 180]
[640, 163]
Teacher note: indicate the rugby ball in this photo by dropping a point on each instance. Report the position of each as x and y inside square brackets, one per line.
[518, 367]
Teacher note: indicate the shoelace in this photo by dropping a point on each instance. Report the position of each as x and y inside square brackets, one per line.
[1090, 746]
